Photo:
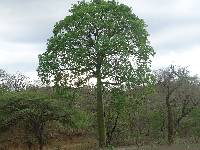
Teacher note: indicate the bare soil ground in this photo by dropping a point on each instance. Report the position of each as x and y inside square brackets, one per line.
[63, 142]
[173, 147]
[72, 143]
[92, 146]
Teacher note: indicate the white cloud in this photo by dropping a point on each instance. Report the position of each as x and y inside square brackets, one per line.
[180, 34]
[19, 52]
[164, 9]
[187, 58]
[30, 21]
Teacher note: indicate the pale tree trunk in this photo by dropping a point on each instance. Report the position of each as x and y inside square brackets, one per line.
[100, 112]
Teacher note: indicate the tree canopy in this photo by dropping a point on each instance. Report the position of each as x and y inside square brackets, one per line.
[105, 35]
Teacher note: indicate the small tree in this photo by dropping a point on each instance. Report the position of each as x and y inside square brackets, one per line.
[115, 106]
[31, 112]
[102, 40]
[15, 82]
[181, 94]
[3, 81]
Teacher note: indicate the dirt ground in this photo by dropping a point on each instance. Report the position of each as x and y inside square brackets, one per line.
[75, 143]
[86, 143]
[88, 146]
[173, 147]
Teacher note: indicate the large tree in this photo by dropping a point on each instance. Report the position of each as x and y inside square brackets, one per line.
[99, 39]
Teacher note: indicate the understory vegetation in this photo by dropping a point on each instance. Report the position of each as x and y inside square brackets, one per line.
[38, 116]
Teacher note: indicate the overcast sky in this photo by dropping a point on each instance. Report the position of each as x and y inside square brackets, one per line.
[25, 25]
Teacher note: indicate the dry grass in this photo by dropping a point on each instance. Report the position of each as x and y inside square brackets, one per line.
[56, 143]
[73, 143]
[64, 142]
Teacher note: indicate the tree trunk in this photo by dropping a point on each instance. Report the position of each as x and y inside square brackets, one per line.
[40, 142]
[100, 112]
[170, 126]
[29, 144]
[39, 129]
[111, 132]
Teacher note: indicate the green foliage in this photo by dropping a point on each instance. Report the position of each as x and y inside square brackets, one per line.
[104, 33]
[81, 119]
[109, 147]
[118, 100]
[69, 99]
[31, 112]
[156, 123]
[195, 119]
[133, 116]
[115, 112]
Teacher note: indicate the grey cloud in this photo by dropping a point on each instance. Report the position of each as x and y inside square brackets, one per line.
[176, 37]
[19, 67]
[31, 22]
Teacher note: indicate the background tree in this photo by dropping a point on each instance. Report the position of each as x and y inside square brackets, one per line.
[102, 40]
[181, 94]
[13, 82]
[3, 77]
[186, 99]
